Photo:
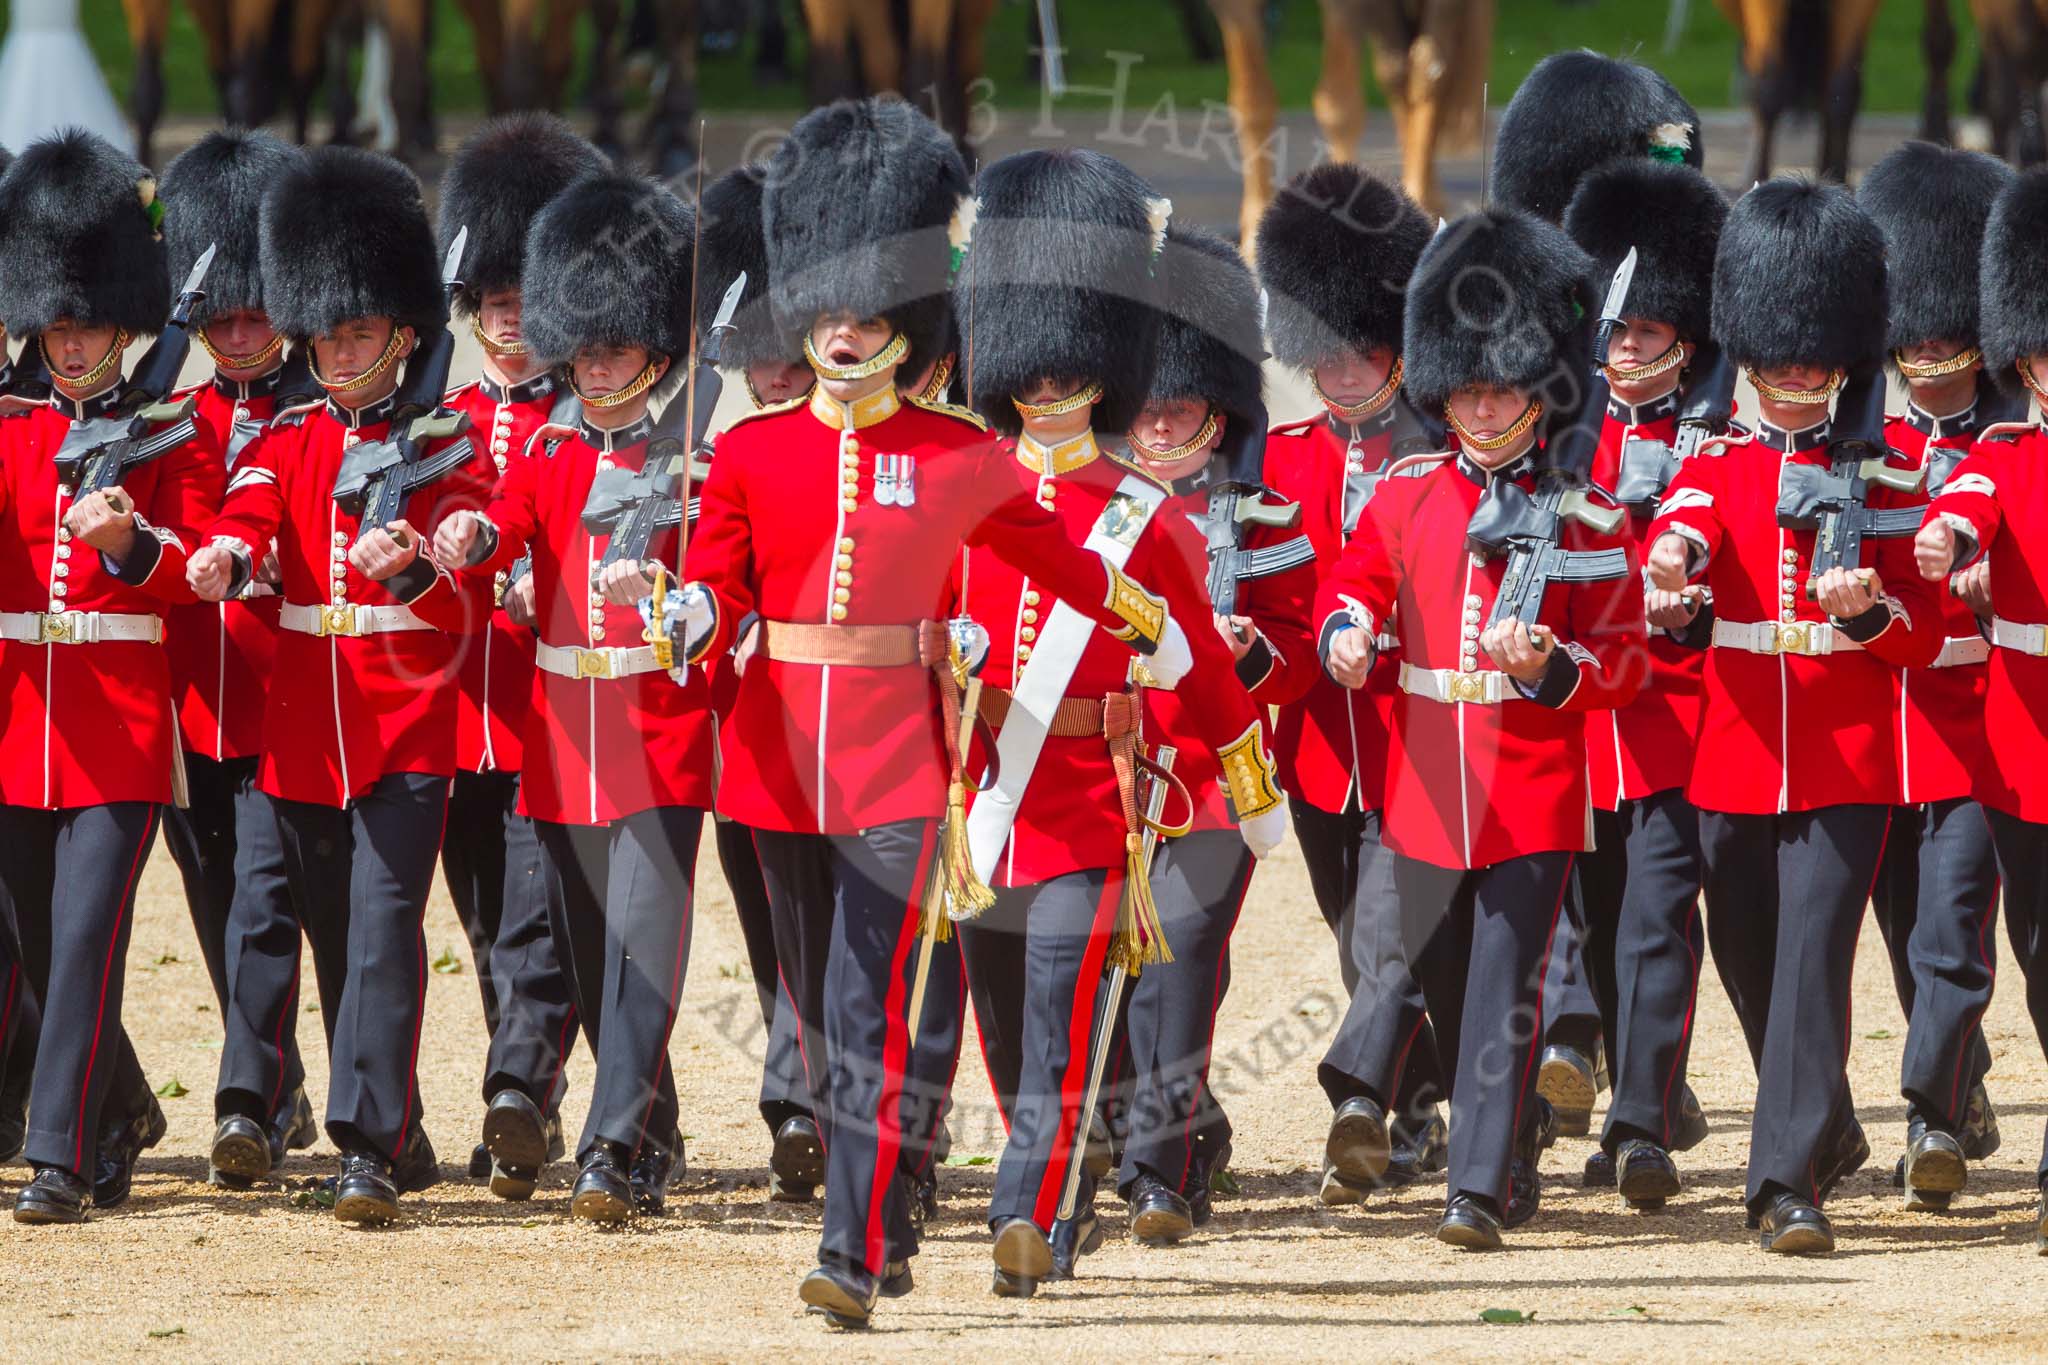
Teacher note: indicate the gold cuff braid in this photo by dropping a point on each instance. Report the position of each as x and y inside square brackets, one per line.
[1248, 773]
[1144, 615]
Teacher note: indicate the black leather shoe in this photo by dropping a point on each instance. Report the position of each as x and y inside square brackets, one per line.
[1159, 1216]
[1980, 1125]
[1645, 1174]
[1933, 1169]
[365, 1192]
[796, 1165]
[292, 1128]
[1525, 1181]
[14, 1112]
[1023, 1257]
[1419, 1149]
[1846, 1157]
[896, 1281]
[417, 1168]
[1792, 1227]
[603, 1194]
[655, 1168]
[515, 1134]
[924, 1196]
[846, 1296]
[1692, 1126]
[1469, 1225]
[1564, 1076]
[1358, 1145]
[241, 1153]
[1201, 1198]
[479, 1162]
[53, 1196]
[1546, 1125]
[1073, 1238]
[1599, 1173]
[1337, 1192]
[113, 1170]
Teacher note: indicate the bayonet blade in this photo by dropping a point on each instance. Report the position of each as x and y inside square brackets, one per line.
[451, 268]
[1617, 291]
[197, 278]
[730, 304]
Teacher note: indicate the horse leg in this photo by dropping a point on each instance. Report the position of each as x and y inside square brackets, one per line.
[147, 21]
[558, 50]
[928, 80]
[1938, 50]
[405, 28]
[515, 54]
[606, 100]
[831, 61]
[1252, 100]
[671, 141]
[1430, 82]
[1848, 35]
[1339, 98]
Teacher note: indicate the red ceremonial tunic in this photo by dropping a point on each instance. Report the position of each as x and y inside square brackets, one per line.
[1331, 745]
[220, 652]
[1277, 669]
[597, 749]
[89, 724]
[791, 530]
[1998, 495]
[345, 711]
[1646, 746]
[1071, 816]
[497, 662]
[1940, 719]
[1785, 732]
[1473, 784]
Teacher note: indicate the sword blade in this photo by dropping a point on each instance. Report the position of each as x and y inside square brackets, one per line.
[451, 268]
[199, 268]
[730, 304]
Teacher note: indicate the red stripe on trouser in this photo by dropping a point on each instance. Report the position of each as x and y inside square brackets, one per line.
[284, 1019]
[895, 1057]
[1542, 974]
[1187, 1132]
[99, 1018]
[419, 1017]
[1080, 1024]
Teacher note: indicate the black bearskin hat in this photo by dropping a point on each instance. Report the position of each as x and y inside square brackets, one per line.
[2013, 293]
[1335, 250]
[1672, 216]
[1931, 203]
[213, 196]
[345, 235]
[608, 263]
[78, 234]
[496, 182]
[1209, 338]
[855, 210]
[1577, 110]
[1799, 278]
[729, 219]
[1495, 300]
[1060, 268]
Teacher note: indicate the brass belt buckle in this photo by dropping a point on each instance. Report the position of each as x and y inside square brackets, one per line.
[53, 628]
[1794, 637]
[1468, 687]
[593, 663]
[338, 620]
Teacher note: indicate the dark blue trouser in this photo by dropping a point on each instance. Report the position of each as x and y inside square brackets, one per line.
[783, 1095]
[2023, 859]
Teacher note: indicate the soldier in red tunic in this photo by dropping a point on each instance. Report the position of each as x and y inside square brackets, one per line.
[1202, 431]
[498, 180]
[1795, 771]
[88, 751]
[1638, 887]
[1335, 252]
[358, 735]
[836, 522]
[220, 652]
[1993, 509]
[618, 755]
[1936, 892]
[1487, 799]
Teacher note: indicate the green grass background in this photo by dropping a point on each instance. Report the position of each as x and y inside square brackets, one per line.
[1702, 65]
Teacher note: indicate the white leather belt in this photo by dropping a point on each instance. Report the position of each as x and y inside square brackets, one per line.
[80, 627]
[573, 661]
[1958, 650]
[2027, 639]
[1811, 638]
[348, 620]
[1451, 685]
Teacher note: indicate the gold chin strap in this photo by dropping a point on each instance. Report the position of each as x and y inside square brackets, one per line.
[1673, 357]
[1358, 412]
[942, 375]
[1185, 448]
[97, 372]
[1802, 397]
[1088, 393]
[640, 384]
[1961, 360]
[1505, 439]
[241, 362]
[889, 356]
[496, 348]
[369, 376]
[2033, 385]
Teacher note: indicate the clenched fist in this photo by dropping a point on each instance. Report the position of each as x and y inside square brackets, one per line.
[210, 571]
[1668, 562]
[1934, 550]
[385, 551]
[104, 520]
[1350, 656]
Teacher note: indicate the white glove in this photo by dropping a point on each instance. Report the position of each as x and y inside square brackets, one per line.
[1266, 831]
[687, 617]
[1170, 662]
